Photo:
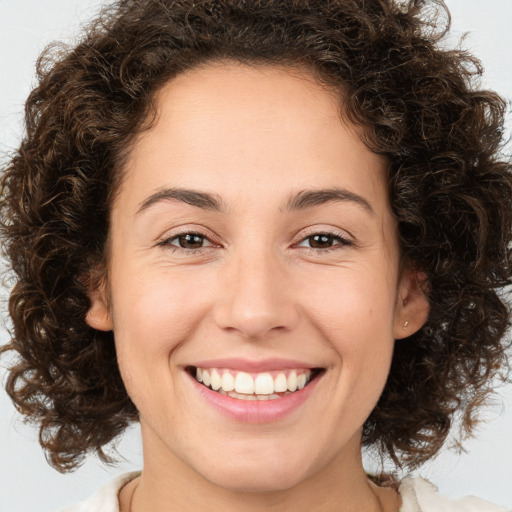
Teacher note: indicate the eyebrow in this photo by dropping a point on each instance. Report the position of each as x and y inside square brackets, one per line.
[192, 197]
[300, 201]
[310, 198]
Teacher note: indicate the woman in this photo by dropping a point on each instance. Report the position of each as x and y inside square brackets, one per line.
[268, 231]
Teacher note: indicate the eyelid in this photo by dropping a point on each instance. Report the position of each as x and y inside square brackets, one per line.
[319, 230]
[165, 240]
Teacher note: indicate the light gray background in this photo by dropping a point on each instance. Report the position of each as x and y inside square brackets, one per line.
[27, 483]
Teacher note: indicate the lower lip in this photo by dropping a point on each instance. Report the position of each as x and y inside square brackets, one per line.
[256, 411]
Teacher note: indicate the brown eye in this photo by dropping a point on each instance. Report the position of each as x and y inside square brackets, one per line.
[190, 241]
[324, 241]
[187, 241]
[321, 241]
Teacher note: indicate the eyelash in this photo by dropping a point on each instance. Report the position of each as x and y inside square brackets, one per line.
[341, 240]
[338, 238]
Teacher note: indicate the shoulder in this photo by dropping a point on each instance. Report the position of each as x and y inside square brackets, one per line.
[106, 498]
[420, 495]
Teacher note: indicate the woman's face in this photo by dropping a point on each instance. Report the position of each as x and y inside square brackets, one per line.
[252, 238]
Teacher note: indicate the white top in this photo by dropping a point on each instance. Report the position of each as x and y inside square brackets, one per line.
[418, 495]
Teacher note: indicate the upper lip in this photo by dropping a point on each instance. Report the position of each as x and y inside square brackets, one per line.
[248, 365]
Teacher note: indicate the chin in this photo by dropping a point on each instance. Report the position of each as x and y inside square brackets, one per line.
[275, 474]
[258, 481]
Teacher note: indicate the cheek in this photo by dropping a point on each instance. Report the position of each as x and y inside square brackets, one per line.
[355, 316]
[356, 308]
[156, 301]
[153, 313]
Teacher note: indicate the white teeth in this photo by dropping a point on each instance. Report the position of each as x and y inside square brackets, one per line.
[244, 383]
[280, 384]
[273, 396]
[262, 387]
[228, 382]
[215, 380]
[291, 381]
[264, 384]
[241, 396]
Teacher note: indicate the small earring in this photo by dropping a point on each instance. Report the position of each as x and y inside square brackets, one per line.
[406, 323]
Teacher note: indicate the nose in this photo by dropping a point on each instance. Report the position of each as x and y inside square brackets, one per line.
[256, 298]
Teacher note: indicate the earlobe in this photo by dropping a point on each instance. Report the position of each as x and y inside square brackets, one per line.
[98, 316]
[412, 307]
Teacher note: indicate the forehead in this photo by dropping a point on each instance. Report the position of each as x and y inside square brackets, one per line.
[250, 84]
[228, 126]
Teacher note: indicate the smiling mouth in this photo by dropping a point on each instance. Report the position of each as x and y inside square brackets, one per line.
[254, 386]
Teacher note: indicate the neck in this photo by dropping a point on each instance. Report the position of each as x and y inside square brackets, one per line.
[168, 484]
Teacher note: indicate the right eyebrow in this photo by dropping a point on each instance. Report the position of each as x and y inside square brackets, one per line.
[202, 200]
[311, 198]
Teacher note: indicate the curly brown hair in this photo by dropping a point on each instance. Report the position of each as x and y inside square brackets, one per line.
[420, 107]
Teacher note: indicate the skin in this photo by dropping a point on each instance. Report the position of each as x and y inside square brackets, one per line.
[258, 288]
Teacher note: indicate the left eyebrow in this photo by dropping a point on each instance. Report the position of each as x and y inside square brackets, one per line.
[310, 198]
[196, 198]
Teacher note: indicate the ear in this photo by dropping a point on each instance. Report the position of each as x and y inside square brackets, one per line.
[99, 316]
[412, 306]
